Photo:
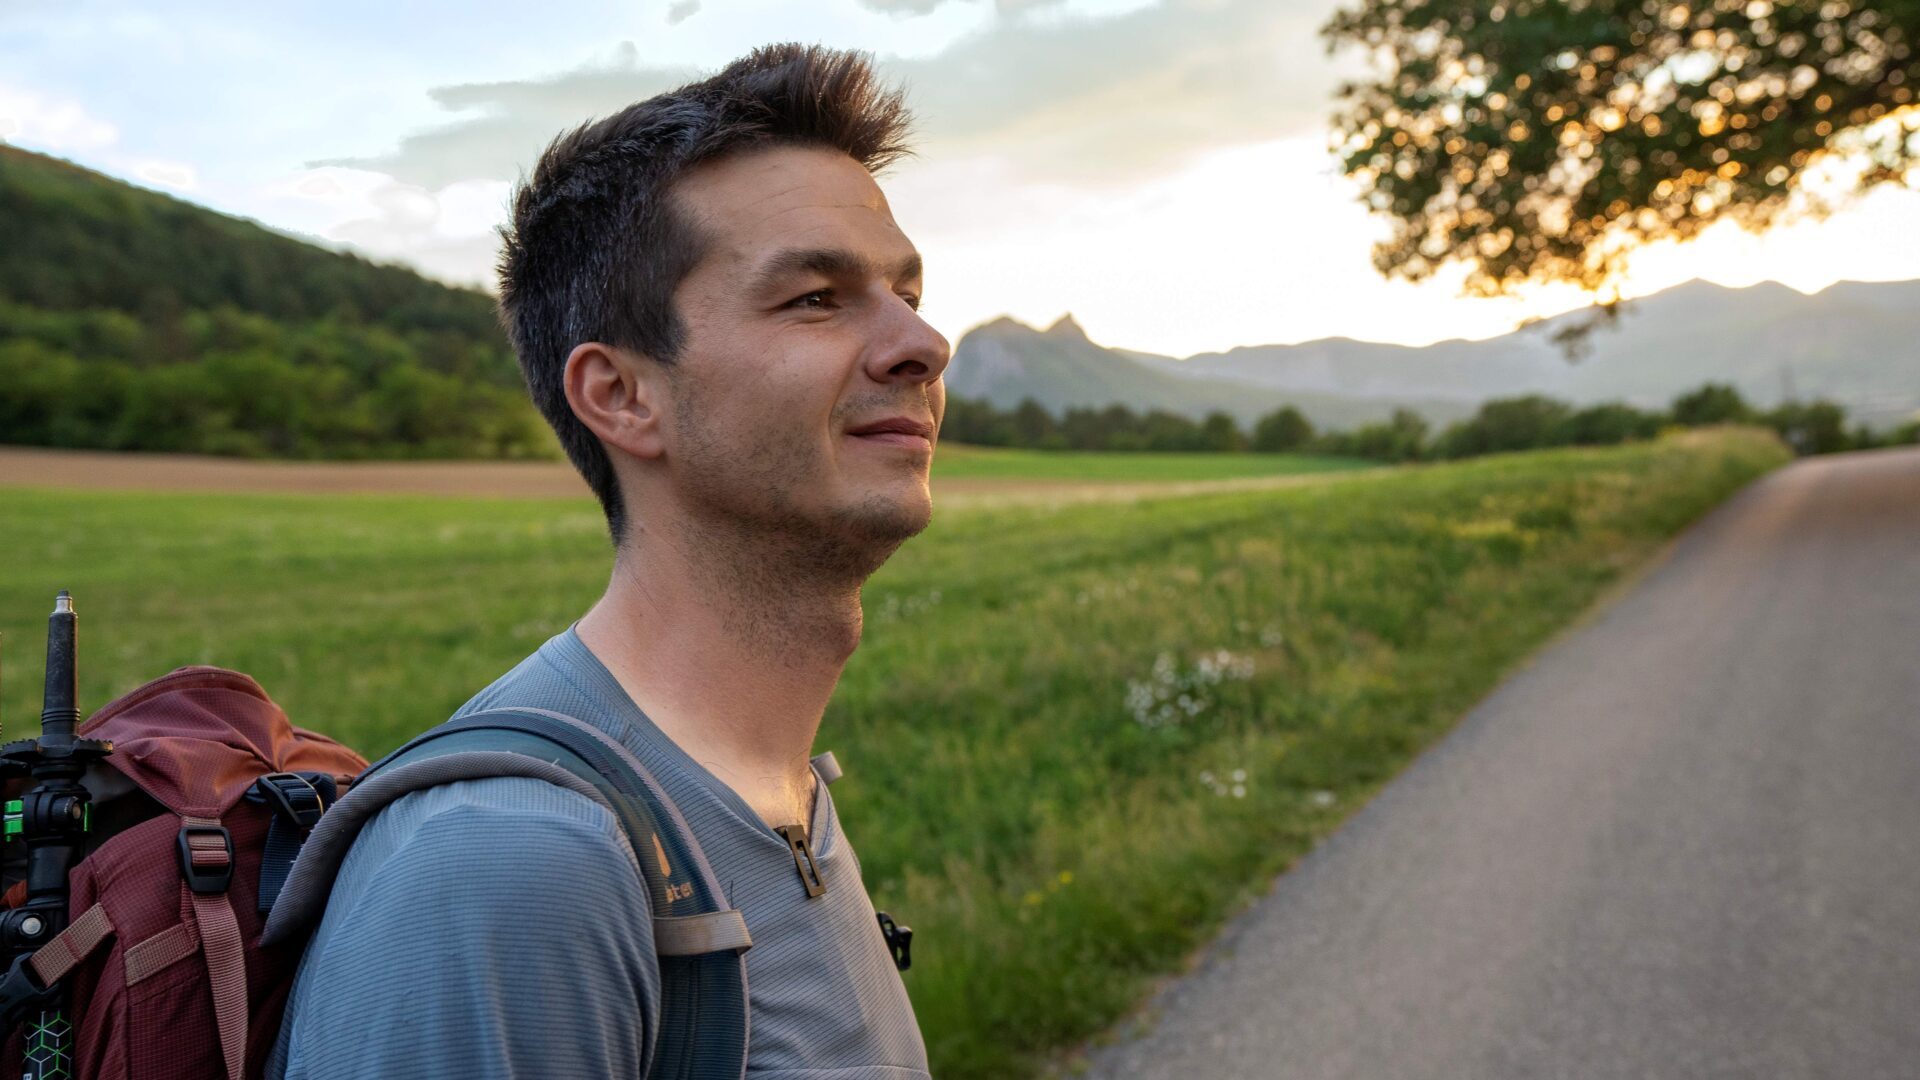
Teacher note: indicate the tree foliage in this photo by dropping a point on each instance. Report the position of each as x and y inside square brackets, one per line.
[132, 321]
[1712, 403]
[1282, 430]
[1503, 425]
[1543, 139]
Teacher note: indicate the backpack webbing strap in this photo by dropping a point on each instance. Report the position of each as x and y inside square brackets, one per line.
[221, 945]
[691, 935]
[304, 896]
[69, 947]
[297, 801]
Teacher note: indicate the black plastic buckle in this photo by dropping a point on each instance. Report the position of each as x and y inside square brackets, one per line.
[899, 940]
[293, 795]
[206, 879]
[19, 991]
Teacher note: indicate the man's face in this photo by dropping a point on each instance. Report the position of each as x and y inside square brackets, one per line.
[801, 326]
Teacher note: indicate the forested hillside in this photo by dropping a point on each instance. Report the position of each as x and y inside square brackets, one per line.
[131, 320]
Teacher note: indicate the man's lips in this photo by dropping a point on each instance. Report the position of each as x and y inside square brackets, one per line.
[896, 431]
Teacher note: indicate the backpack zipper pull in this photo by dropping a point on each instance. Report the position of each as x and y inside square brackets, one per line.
[803, 861]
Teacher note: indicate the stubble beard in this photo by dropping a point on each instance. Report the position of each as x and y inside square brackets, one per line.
[748, 532]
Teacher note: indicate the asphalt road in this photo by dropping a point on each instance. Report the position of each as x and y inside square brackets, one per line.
[1683, 842]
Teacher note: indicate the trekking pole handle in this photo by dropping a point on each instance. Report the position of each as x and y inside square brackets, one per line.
[60, 713]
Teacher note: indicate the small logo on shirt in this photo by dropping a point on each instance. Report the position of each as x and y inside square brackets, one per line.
[666, 868]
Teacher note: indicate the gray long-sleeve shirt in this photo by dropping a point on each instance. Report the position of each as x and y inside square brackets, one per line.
[499, 927]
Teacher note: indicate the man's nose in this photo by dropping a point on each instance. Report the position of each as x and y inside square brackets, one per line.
[909, 349]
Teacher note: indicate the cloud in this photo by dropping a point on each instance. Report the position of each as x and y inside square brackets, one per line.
[1109, 102]
[169, 174]
[510, 123]
[51, 124]
[1097, 102]
[447, 232]
[682, 11]
[923, 7]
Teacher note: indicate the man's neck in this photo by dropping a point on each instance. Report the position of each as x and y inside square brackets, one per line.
[732, 653]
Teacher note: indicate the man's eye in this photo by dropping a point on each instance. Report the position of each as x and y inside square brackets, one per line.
[817, 300]
[913, 301]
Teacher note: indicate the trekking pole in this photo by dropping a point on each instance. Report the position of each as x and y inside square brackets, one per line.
[53, 819]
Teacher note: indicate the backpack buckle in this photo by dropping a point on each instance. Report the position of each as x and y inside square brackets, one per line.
[20, 990]
[206, 858]
[293, 795]
[899, 940]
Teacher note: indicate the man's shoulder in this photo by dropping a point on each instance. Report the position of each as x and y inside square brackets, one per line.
[460, 881]
[558, 675]
[458, 824]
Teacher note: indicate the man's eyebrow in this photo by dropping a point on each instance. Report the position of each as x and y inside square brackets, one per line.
[828, 262]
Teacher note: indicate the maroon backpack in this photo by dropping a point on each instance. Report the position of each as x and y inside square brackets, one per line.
[197, 815]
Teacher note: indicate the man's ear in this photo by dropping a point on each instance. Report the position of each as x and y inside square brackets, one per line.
[619, 395]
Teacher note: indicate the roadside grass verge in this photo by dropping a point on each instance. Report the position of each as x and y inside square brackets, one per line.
[1076, 737]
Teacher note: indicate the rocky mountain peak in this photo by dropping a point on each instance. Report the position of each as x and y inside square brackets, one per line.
[1066, 327]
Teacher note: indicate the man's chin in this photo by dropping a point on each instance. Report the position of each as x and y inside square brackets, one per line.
[892, 517]
[881, 522]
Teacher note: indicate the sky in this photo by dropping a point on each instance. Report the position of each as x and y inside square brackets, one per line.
[1158, 168]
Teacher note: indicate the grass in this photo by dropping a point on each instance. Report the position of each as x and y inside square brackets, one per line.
[955, 461]
[1076, 737]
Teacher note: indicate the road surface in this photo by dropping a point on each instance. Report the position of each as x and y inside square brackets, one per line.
[1683, 842]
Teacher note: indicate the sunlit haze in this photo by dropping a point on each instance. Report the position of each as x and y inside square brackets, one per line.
[1157, 169]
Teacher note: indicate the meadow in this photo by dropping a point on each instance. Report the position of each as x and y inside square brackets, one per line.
[954, 461]
[1077, 736]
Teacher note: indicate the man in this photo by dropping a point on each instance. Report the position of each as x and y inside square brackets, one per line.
[716, 312]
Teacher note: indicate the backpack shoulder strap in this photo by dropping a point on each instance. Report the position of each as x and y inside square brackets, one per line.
[700, 939]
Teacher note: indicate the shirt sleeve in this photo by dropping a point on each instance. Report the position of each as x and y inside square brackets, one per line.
[505, 933]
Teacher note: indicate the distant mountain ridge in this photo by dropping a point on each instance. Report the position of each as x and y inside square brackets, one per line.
[1857, 343]
[1005, 361]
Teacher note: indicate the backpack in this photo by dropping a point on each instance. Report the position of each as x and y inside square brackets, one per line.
[700, 941]
[217, 834]
[197, 816]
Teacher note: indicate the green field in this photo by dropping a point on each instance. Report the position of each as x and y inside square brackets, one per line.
[1076, 737]
[955, 461]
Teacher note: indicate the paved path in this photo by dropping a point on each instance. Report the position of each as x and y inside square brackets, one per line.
[1684, 842]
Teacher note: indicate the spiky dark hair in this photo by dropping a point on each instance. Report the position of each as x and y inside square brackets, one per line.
[595, 248]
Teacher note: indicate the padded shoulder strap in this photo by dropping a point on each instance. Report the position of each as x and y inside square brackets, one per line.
[305, 894]
[703, 1026]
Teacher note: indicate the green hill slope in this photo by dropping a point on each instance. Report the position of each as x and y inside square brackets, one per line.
[132, 320]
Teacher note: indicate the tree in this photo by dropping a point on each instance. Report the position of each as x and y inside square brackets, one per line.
[1123, 428]
[1219, 432]
[1519, 423]
[1811, 427]
[1080, 428]
[1032, 423]
[1401, 438]
[1610, 422]
[1283, 430]
[1164, 429]
[973, 420]
[1543, 139]
[1713, 403]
